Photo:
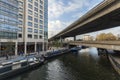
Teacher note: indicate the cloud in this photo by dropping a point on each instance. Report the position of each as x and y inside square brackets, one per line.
[58, 10]
[75, 5]
[55, 8]
[78, 15]
[55, 27]
[58, 7]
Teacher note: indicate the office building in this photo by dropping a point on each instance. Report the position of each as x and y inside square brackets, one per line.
[33, 27]
[8, 26]
[23, 26]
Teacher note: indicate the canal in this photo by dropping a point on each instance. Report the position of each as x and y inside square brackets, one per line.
[86, 65]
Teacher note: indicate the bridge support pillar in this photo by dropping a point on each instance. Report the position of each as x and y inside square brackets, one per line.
[61, 39]
[74, 38]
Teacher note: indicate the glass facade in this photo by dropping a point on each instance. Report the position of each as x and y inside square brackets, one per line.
[8, 19]
[46, 19]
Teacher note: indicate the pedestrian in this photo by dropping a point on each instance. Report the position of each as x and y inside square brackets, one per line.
[53, 50]
[7, 56]
[22, 53]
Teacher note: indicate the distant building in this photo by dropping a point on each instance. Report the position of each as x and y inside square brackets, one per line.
[87, 38]
[118, 37]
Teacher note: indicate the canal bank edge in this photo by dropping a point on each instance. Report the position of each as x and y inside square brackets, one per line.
[115, 63]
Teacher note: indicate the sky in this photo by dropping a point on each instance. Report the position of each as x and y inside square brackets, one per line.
[62, 13]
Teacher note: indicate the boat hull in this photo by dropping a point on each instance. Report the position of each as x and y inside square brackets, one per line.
[12, 73]
[55, 55]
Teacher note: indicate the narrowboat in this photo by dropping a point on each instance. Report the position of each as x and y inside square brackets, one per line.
[12, 67]
[53, 53]
[75, 49]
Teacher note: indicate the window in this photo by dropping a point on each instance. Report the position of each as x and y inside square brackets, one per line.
[35, 36]
[40, 31]
[20, 35]
[41, 11]
[36, 4]
[30, 6]
[35, 9]
[41, 1]
[35, 20]
[29, 29]
[30, 24]
[41, 17]
[35, 31]
[36, 25]
[29, 35]
[20, 22]
[40, 36]
[29, 18]
[45, 33]
[20, 9]
[20, 3]
[20, 16]
[41, 22]
[29, 12]
[20, 29]
[41, 7]
[36, 14]
[30, 1]
[41, 27]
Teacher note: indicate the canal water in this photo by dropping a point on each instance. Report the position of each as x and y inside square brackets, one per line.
[86, 65]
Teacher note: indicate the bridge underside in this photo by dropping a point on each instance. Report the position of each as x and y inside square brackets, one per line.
[112, 45]
[107, 21]
[104, 16]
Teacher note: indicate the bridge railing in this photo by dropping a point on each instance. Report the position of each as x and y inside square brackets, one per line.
[97, 42]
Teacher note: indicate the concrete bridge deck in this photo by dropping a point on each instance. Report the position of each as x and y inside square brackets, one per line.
[103, 16]
[112, 45]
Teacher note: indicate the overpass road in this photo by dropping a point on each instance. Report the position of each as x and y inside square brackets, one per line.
[103, 16]
[112, 45]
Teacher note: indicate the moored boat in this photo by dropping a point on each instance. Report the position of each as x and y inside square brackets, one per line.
[52, 53]
[19, 65]
[75, 49]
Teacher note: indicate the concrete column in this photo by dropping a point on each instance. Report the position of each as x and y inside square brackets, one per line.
[43, 46]
[0, 47]
[61, 39]
[46, 45]
[35, 47]
[74, 38]
[25, 48]
[16, 48]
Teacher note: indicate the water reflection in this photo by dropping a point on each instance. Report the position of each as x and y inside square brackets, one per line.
[86, 65]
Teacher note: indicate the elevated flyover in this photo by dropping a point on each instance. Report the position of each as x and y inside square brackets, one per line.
[105, 15]
[112, 45]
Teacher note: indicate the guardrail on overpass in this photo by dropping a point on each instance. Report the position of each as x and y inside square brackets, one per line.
[112, 45]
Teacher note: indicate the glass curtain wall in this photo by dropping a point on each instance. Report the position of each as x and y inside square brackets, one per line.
[8, 19]
[45, 19]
